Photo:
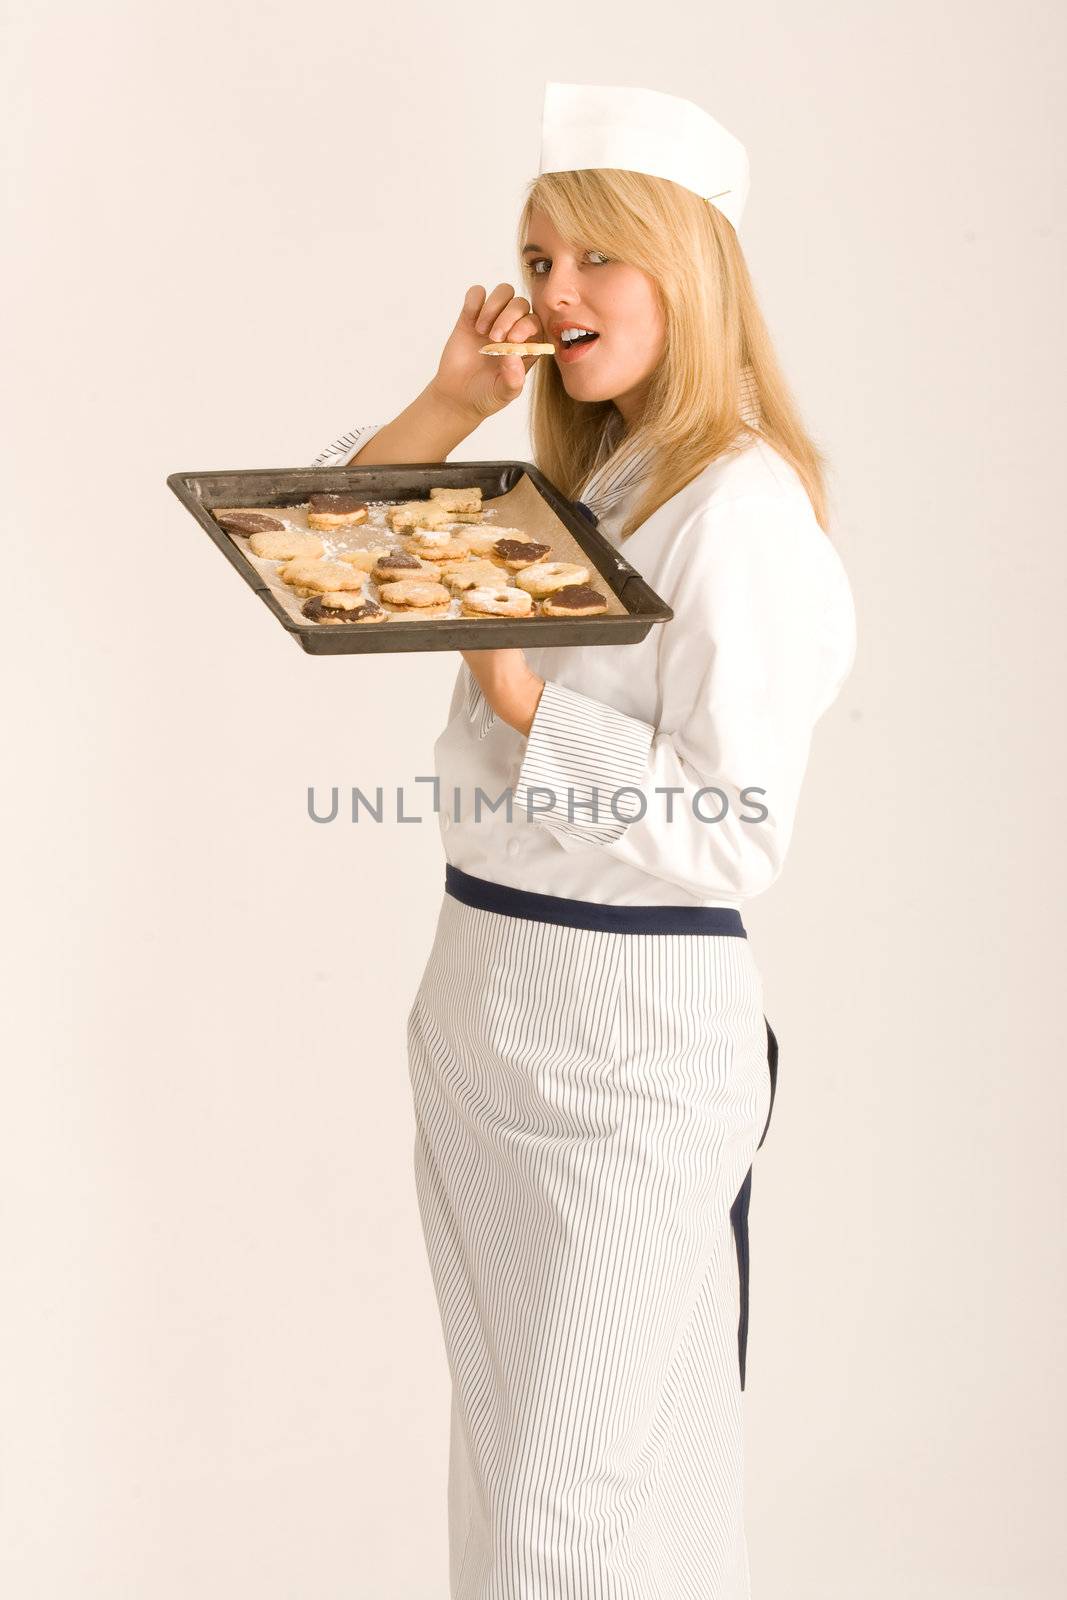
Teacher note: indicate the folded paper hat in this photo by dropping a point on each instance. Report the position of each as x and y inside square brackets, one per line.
[641, 130]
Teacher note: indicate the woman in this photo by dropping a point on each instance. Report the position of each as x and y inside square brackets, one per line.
[588, 1048]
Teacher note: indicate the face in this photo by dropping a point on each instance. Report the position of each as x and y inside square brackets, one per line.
[582, 288]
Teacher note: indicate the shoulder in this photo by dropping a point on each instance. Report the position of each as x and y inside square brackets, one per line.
[747, 507]
[757, 472]
[742, 537]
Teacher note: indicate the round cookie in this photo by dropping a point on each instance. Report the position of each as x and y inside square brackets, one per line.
[574, 600]
[339, 606]
[546, 576]
[336, 510]
[414, 593]
[317, 577]
[503, 601]
[286, 545]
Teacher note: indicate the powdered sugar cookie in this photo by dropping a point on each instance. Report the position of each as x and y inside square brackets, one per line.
[437, 544]
[545, 576]
[416, 514]
[503, 601]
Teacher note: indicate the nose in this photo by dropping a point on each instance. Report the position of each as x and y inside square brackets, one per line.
[559, 288]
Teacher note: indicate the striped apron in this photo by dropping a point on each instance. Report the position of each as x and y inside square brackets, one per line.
[590, 1085]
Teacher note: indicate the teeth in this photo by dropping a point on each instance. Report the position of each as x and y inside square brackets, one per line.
[570, 335]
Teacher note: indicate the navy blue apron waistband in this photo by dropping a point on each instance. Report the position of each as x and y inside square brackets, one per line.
[487, 896]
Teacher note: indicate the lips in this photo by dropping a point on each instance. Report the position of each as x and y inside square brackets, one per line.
[566, 353]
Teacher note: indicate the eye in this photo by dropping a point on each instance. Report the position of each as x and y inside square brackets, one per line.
[541, 266]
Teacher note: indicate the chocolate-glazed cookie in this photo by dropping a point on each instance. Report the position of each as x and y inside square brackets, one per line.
[342, 608]
[574, 600]
[248, 522]
[518, 553]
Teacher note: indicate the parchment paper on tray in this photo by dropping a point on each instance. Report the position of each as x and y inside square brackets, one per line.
[521, 507]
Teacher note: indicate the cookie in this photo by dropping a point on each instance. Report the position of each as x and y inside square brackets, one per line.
[336, 510]
[546, 576]
[285, 545]
[417, 593]
[437, 544]
[398, 564]
[458, 500]
[501, 601]
[482, 540]
[363, 559]
[317, 577]
[416, 514]
[335, 606]
[239, 519]
[574, 600]
[473, 574]
[518, 553]
[506, 347]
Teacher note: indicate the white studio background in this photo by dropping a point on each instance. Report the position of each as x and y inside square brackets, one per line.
[236, 230]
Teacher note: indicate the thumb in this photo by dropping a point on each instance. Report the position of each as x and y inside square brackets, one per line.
[512, 374]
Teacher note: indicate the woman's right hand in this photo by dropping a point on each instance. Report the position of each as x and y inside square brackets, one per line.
[482, 385]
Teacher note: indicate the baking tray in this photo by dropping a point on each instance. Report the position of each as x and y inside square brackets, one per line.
[638, 605]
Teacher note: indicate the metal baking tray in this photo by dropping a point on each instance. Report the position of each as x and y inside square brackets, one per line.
[203, 492]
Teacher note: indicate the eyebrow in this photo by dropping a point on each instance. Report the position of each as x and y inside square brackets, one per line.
[528, 247]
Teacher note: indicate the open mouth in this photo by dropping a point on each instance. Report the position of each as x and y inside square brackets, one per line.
[574, 343]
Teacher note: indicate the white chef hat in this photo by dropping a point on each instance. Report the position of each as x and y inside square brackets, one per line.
[641, 130]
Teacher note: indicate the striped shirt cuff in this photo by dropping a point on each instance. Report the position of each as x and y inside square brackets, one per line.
[479, 711]
[341, 451]
[580, 753]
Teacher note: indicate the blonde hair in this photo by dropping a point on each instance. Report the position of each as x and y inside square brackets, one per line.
[714, 331]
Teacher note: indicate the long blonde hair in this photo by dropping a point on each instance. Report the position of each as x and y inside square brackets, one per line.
[714, 331]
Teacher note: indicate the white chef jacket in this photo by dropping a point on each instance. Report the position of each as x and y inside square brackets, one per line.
[666, 772]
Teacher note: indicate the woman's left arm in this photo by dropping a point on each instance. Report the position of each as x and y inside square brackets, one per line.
[510, 688]
[762, 639]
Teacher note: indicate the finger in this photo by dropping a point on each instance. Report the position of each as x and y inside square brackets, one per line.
[505, 320]
[513, 373]
[526, 331]
[473, 301]
[494, 304]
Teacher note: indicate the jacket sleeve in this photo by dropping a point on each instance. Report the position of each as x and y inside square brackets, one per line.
[341, 451]
[762, 639]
